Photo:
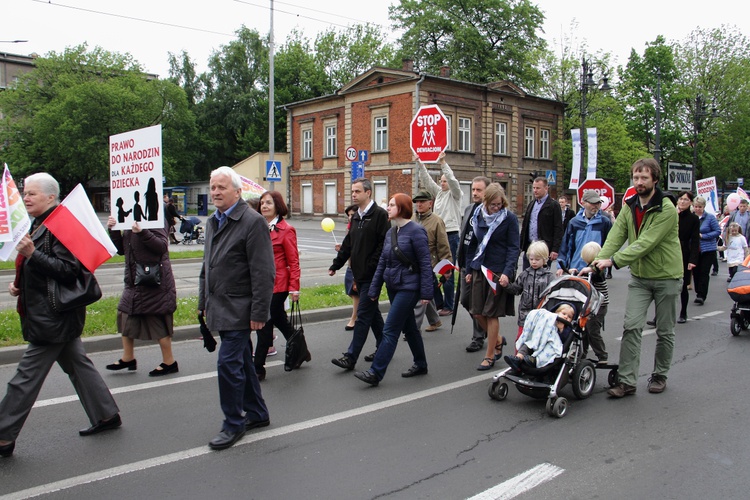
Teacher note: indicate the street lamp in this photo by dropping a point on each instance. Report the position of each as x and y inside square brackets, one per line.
[699, 114]
[588, 83]
[657, 139]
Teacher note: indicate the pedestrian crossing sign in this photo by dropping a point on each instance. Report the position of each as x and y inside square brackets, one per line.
[273, 171]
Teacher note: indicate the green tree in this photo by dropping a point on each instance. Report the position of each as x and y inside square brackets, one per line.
[481, 40]
[58, 117]
[344, 54]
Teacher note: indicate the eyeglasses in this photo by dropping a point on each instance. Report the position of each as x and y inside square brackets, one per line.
[495, 205]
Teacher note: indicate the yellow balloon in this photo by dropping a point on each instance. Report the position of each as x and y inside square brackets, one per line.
[327, 224]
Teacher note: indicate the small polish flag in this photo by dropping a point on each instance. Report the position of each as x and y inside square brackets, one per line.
[490, 278]
[443, 267]
[77, 226]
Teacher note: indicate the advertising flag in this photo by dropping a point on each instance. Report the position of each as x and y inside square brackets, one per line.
[16, 220]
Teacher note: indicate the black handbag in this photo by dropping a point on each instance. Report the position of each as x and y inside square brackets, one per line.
[147, 274]
[67, 296]
[296, 345]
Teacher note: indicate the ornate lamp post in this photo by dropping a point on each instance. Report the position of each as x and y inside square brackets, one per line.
[588, 84]
[699, 114]
[657, 139]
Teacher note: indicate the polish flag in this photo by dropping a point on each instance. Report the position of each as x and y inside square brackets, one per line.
[443, 267]
[77, 226]
[490, 279]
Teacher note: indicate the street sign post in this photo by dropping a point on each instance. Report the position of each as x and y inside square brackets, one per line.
[429, 133]
[351, 153]
[358, 170]
[273, 171]
[602, 188]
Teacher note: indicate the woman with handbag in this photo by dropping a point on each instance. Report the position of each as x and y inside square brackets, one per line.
[405, 268]
[45, 267]
[286, 259]
[149, 298]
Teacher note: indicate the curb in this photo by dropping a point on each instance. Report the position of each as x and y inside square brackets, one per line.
[113, 342]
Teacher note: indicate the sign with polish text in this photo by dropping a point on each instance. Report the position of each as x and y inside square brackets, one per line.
[429, 133]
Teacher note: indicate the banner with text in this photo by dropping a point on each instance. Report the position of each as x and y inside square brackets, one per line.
[707, 188]
[575, 172]
[591, 143]
[16, 216]
[135, 176]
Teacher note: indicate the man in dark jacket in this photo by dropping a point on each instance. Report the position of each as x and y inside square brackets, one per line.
[478, 186]
[362, 247]
[235, 289]
[542, 221]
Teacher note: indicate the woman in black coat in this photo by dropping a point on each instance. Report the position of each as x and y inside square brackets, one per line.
[145, 311]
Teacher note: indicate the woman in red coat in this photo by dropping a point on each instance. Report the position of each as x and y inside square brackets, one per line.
[286, 259]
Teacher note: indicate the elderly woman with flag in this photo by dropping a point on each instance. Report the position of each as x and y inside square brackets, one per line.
[45, 263]
[492, 257]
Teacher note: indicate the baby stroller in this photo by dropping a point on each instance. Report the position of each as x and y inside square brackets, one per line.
[739, 290]
[191, 231]
[546, 382]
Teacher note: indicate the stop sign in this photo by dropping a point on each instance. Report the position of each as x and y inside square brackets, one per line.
[601, 187]
[429, 133]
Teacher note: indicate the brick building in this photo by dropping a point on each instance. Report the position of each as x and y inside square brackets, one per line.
[495, 129]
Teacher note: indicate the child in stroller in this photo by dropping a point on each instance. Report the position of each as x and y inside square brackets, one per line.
[191, 231]
[557, 353]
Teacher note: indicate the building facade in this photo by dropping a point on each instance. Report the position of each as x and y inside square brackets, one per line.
[495, 129]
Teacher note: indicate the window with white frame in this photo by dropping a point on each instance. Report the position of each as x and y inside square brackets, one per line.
[544, 143]
[529, 134]
[307, 146]
[501, 138]
[381, 133]
[464, 134]
[331, 140]
[449, 122]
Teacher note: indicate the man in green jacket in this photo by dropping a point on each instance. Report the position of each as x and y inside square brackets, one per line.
[648, 222]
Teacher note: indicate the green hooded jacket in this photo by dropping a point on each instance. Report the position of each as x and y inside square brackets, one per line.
[653, 252]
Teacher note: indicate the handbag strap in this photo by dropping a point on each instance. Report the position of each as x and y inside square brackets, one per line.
[296, 314]
[399, 254]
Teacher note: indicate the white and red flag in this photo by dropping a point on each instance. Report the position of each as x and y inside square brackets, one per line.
[14, 221]
[443, 267]
[490, 279]
[77, 226]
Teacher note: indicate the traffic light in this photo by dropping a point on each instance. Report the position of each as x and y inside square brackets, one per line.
[533, 175]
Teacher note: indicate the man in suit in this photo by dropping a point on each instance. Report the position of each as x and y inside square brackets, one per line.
[542, 221]
[478, 186]
[567, 212]
[235, 289]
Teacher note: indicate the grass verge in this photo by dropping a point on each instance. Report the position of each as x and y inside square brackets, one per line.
[101, 317]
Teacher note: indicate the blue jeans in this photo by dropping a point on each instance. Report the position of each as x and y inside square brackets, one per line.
[368, 317]
[239, 388]
[449, 285]
[400, 319]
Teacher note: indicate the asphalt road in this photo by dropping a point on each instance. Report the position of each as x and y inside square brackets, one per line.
[435, 436]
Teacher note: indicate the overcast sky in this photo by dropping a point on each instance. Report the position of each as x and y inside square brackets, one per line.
[150, 29]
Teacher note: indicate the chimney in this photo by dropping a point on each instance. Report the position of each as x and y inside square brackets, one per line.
[408, 64]
[445, 71]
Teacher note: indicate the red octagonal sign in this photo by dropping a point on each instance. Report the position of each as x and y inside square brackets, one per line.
[429, 133]
[601, 187]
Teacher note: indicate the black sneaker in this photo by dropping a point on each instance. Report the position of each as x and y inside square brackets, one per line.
[344, 362]
[476, 345]
[369, 358]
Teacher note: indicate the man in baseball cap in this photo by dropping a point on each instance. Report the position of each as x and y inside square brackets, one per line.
[591, 196]
[423, 195]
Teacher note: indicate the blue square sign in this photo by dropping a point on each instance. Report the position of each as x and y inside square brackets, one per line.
[273, 171]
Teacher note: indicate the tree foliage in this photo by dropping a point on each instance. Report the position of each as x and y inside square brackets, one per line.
[481, 40]
[58, 118]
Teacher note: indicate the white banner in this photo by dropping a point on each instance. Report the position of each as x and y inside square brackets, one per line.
[575, 172]
[592, 147]
[707, 189]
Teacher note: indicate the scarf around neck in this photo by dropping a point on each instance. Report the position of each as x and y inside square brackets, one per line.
[492, 220]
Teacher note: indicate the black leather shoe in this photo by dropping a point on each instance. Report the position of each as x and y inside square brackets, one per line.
[476, 345]
[344, 362]
[6, 450]
[102, 425]
[682, 319]
[165, 370]
[225, 439]
[415, 370]
[370, 357]
[513, 362]
[368, 377]
[255, 424]
[120, 365]
[651, 322]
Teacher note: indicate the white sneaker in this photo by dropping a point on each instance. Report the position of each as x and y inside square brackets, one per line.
[272, 351]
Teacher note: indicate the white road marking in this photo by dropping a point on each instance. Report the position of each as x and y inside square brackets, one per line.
[652, 331]
[521, 483]
[120, 470]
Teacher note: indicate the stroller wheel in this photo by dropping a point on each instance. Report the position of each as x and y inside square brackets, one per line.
[613, 378]
[584, 379]
[557, 407]
[498, 391]
[736, 325]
